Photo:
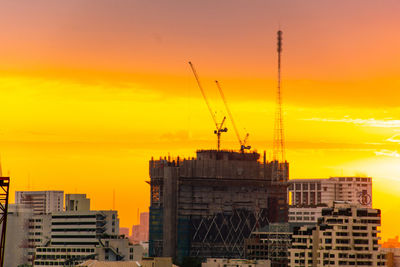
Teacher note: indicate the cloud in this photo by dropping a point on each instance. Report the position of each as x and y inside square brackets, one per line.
[389, 153]
[364, 122]
[393, 139]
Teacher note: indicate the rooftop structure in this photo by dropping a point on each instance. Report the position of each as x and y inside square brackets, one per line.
[77, 202]
[206, 206]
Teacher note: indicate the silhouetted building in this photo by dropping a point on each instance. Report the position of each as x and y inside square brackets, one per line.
[206, 206]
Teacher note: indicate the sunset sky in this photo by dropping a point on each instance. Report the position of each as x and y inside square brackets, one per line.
[91, 90]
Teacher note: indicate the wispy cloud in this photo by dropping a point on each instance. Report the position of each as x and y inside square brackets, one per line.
[364, 122]
[389, 153]
[394, 139]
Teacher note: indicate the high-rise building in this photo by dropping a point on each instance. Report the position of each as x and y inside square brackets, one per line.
[307, 197]
[346, 235]
[206, 206]
[42, 202]
[323, 191]
[140, 232]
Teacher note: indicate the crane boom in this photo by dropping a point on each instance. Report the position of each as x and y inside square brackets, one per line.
[241, 142]
[229, 112]
[204, 95]
[219, 126]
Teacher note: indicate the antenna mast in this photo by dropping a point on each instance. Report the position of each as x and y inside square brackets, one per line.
[279, 139]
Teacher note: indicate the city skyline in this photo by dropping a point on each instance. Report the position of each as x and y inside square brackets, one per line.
[92, 92]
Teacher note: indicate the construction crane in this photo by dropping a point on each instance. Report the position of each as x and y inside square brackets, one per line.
[243, 142]
[279, 140]
[4, 190]
[219, 127]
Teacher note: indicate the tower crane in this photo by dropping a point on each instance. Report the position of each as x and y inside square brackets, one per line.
[243, 142]
[219, 127]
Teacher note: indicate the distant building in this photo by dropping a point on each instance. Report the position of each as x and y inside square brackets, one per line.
[206, 206]
[392, 249]
[346, 235]
[140, 232]
[77, 202]
[17, 235]
[42, 202]
[124, 231]
[220, 262]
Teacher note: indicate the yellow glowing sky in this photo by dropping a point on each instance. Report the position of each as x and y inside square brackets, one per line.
[91, 90]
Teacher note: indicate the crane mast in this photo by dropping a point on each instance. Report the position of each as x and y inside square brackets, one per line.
[219, 127]
[242, 143]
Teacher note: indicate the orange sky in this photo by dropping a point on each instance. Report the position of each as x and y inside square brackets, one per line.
[91, 90]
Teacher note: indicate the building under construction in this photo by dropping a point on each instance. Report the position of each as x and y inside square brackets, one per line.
[206, 206]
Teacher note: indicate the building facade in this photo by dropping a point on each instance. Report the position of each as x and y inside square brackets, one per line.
[206, 206]
[346, 235]
[17, 246]
[42, 202]
[309, 192]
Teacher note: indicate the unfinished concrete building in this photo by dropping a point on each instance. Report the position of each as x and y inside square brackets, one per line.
[206, 206]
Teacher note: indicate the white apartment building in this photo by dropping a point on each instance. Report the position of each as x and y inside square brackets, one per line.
[346, 235]
[307, 197]
[305, 214]
[42, 202]
[323, 191]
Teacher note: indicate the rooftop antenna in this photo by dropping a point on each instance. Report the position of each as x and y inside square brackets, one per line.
[219, 126]
[279, 139]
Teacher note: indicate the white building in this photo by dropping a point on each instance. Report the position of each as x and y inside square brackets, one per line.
[17, 235]
[305, 214]
[307, 197]
[72, 237]
[42, 202]
[214, 262]
[323, 191]
[346, 235]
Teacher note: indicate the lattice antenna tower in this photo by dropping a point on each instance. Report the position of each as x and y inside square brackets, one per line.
[279, 138]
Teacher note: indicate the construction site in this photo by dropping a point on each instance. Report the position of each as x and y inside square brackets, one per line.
[206, 206]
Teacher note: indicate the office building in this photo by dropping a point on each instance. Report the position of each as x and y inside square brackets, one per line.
[346, 235]
[206, 206]
[42, 202]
